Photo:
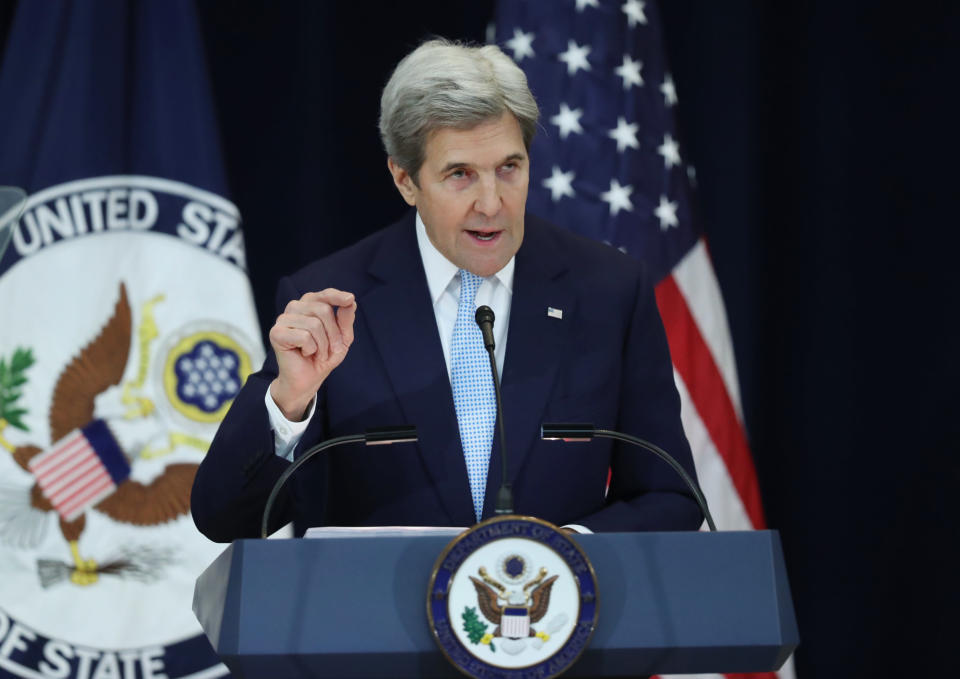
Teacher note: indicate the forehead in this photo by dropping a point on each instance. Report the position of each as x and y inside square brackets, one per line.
[491, 141]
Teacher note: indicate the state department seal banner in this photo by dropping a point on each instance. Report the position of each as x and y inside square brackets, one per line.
[513, 597]
[127, 329]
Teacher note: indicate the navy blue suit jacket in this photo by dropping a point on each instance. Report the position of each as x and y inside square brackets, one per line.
[605, 362]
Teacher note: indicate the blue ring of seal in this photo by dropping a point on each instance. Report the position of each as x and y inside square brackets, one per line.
[481, 535]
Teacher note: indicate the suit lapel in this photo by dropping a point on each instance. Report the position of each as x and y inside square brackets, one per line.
[401, 317]
[404, 329]
[536, 344]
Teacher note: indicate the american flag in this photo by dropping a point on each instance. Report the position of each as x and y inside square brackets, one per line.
[608, 165]
[80, 469]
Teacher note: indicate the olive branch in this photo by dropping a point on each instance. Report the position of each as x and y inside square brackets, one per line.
[12, 377]
[474, 628]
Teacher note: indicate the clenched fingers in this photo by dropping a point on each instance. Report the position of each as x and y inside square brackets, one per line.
[345, 317]
[285, 335]
[318, 322]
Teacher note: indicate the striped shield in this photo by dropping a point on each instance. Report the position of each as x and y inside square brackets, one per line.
[515, 622]
[80, 469]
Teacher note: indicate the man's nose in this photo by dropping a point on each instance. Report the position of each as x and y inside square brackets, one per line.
[488, 200]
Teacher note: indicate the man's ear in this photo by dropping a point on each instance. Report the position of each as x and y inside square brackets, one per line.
[403, 181]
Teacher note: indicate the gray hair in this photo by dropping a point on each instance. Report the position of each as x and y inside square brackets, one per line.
[446, 84]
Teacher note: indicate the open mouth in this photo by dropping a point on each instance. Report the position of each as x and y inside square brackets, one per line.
[484, 236]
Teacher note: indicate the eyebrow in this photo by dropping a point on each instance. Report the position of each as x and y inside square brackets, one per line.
[454, 165]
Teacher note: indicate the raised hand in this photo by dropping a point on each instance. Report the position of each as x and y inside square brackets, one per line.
[310, 338]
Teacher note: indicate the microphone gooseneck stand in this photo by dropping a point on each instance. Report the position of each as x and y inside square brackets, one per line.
[570, 432]
[372, 437]
[484, 318]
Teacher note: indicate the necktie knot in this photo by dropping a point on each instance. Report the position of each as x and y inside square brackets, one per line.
[469, 283]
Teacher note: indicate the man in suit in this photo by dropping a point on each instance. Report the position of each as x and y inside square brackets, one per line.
[382, 333]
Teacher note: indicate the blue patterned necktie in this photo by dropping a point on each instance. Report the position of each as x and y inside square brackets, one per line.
[473, 395]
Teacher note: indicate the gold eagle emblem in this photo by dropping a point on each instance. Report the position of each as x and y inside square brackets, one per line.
[535, 598]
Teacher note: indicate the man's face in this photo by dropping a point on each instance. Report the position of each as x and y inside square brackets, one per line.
[472, 193]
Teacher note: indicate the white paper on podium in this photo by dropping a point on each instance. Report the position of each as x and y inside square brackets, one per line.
[379, 531]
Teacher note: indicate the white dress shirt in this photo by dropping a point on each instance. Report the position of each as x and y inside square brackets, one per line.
[443, 281]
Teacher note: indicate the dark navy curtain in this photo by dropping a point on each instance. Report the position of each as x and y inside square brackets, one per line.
[822, 134]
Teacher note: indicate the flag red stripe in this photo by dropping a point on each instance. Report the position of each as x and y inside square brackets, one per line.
[68, 471]
[57, 455]
[65, 494]
[82, 496]
[82, 487]
[79, 488]
[693, 360]
[77, 508]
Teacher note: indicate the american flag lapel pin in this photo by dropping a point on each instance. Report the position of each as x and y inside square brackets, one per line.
[555, 313]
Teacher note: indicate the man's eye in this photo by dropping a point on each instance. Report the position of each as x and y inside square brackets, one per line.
[458, 174]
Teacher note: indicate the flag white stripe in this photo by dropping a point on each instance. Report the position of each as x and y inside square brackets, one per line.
[82, 466]
[82, 498]
[714, 478]
[66, 495]
[69, 469]
[60, 451]
[698, 284]
[77, 508]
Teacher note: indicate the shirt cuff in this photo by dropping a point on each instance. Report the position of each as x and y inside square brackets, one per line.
[577, 528]
[286, 434]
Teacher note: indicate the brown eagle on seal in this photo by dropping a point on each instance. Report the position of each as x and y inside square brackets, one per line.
[487, 600]
[100, 365]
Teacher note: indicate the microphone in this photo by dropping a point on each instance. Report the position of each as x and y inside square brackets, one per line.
[576, 432]
[376, 436]
[484, 318]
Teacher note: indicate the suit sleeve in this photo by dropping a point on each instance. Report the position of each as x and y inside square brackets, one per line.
[645, 492]
[240, 469]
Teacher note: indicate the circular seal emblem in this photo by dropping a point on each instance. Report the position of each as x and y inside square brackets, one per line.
[127, 330]
[512, 593]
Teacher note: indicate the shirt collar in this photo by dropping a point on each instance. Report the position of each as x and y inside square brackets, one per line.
[440, 270]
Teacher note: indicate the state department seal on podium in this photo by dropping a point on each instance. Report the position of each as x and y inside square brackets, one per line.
[512, 597]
